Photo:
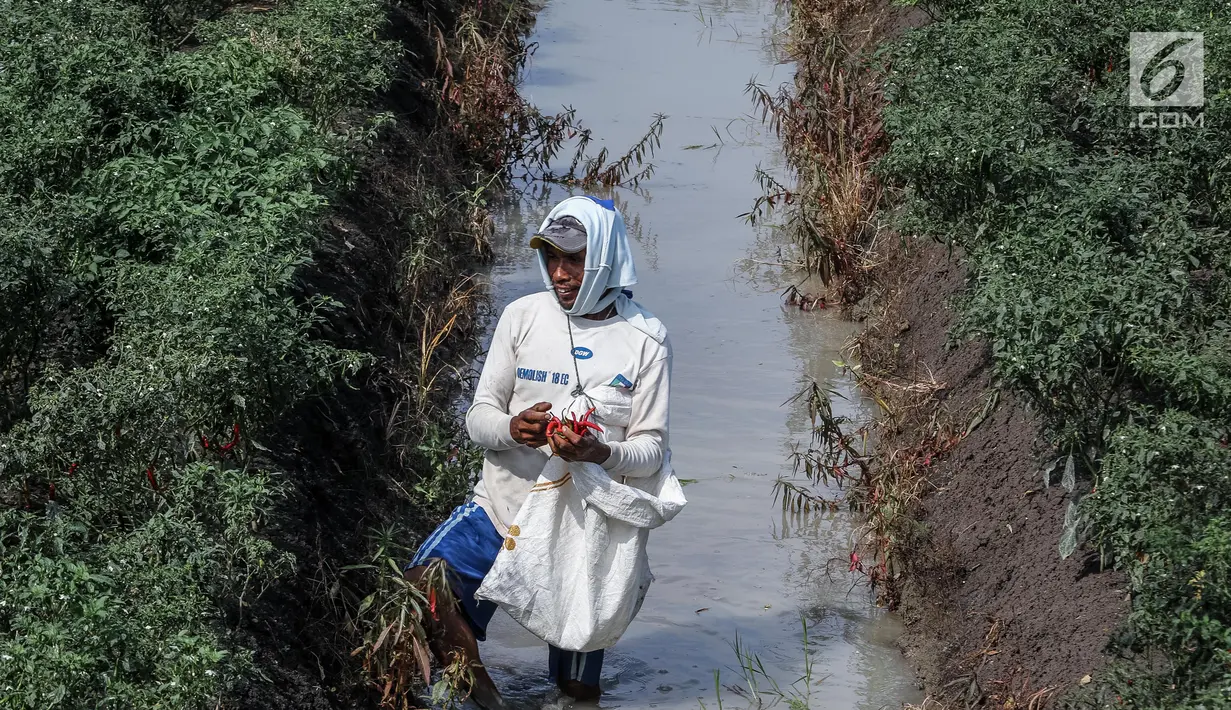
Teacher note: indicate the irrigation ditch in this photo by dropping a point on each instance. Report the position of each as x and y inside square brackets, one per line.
[237, 247]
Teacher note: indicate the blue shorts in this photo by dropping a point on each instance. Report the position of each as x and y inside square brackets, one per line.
[468, 542]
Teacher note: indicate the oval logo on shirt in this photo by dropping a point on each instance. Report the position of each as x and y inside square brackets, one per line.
[583, 353]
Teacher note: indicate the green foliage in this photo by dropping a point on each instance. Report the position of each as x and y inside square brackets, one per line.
[451, 464]
[1098, 258]
[134, 619]
[326, 54]
[1161, 510]
[156, 206]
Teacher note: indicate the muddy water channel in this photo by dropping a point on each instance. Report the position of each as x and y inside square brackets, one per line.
[732, 569]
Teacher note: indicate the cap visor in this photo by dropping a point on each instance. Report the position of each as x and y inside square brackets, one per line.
[568, 245]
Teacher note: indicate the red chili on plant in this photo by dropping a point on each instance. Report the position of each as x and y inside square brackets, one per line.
[234, 439]
[225, 447]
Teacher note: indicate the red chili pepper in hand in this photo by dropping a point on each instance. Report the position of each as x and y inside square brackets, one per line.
[579, 426]
[586, 422]
[431, 602]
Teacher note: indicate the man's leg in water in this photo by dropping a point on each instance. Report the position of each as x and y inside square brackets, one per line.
[451, 634]
[468, 543]
[577, 674]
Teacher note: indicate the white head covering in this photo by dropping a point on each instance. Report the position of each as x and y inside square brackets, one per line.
[609, 263]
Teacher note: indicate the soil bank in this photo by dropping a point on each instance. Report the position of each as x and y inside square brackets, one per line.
[993, 614]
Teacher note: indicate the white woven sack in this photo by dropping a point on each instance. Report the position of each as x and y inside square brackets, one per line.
[574, 568]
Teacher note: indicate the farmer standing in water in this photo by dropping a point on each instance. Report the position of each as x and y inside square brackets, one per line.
[549, 348]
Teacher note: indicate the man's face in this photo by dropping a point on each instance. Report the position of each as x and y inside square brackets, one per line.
[566, 272]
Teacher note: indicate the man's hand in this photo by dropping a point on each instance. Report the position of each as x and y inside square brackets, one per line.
[530, 427]
[577, 447]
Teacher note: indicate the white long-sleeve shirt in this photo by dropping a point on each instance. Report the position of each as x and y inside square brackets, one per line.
[531, 361]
